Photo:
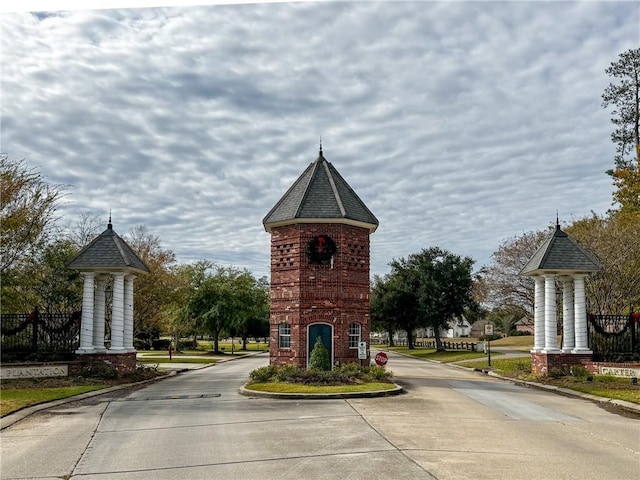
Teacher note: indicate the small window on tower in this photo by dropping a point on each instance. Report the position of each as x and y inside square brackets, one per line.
[284, 335]
[354, 335]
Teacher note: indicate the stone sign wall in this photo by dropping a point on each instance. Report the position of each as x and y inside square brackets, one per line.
[35, 371]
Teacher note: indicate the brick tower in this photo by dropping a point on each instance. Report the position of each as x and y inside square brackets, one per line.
[319, 268]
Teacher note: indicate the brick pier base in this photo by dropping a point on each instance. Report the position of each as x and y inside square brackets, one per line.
[542, 363]
[122, 362]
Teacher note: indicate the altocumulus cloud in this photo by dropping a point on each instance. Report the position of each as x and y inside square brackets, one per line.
[459, 124]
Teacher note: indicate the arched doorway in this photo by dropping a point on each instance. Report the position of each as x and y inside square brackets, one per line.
[325, 332]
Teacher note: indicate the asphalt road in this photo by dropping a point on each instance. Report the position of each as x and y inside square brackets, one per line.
[451, 424]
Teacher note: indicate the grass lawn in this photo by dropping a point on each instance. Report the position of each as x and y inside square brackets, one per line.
[23, 392]
[281, 387]
[176, 359]
[17, 398]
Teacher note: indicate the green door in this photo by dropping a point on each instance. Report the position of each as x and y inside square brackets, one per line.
[325, 332]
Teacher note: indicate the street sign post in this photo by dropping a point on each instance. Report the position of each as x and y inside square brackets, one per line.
[488, 332]
[362, 350]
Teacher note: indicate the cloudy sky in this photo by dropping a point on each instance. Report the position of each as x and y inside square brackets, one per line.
[460, 124]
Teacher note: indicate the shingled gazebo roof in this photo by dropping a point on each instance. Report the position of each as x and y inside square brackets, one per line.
[560, 253]
[320, 194]
[108, 252]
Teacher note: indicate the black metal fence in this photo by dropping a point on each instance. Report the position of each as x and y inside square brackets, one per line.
[614, 337]
[39, 336]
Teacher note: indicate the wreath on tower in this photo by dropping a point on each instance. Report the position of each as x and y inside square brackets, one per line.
[321, 249]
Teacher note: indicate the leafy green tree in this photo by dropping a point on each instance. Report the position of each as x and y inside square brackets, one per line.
[155, 291]
[505, 318]
[43, 281]
[181, 320]
[428, 289]
[253, 317]
[226, 298]
[383, 314]
[395, 304]
[58, 288]
[443, 285]
[28, 206]
[624, 96]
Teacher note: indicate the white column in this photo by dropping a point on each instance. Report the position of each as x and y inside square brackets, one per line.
[117, 315]
[538, 314]
[86, 323]
[550, 315]
[580, 312]
[128, 313]
[98, 315]
[568, 326]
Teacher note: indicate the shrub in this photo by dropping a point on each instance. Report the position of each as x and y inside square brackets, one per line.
[187, 345]
[285, 373]
[319, 360]
[579, 372]
[348, 373]
[263, 374]
[557, 373]
[379, 373]
[98, 370]
[161, 343]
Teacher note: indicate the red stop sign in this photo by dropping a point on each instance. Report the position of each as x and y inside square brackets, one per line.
[382, 359]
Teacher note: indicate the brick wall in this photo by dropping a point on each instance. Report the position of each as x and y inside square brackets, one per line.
[122, 362]
[542, 363]
[303, 293]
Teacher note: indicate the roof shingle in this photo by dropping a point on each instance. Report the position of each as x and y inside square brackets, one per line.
[320, 193]
[561, 253]
[108, 252]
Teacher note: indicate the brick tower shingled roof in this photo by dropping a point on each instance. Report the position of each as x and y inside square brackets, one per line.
[320, 194]
[561, 253]
[108, 252]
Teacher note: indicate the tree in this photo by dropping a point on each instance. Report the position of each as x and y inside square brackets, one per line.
[181, 319]
[253, 317]
[501, 283]
[84, 230]
[226, 298]
[505, 318]
[615, 241]
[319, 360]
[58, 288]
[624, 96]
[27, 211]
[394, 304]
[428, 289]
[443, 285]
[154, 291]
[383, 317]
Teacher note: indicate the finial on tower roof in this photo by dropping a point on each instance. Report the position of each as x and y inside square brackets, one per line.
[320, 145]
[557, 221]
[109, 225]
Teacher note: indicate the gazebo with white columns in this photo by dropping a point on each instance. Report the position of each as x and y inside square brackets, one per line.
[560, 258]
[107, 255]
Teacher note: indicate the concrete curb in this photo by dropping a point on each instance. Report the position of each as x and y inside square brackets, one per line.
[321, 396]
